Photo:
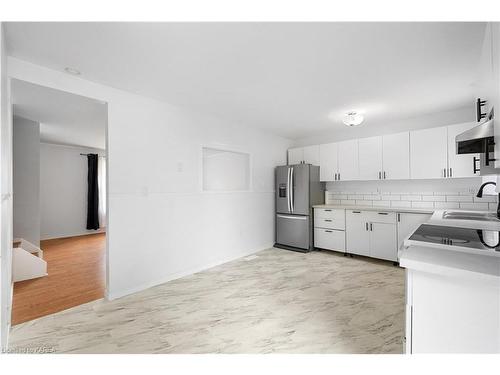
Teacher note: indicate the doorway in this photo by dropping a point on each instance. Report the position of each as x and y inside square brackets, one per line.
[59, 200]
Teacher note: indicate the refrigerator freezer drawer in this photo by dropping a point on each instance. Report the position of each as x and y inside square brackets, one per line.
[293, 230]
[329, 239]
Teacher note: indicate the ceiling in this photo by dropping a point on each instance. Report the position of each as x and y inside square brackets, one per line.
[64, 118]
[294, 79]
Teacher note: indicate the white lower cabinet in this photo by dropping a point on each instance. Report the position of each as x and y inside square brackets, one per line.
[376, 234]
[408, 223]
[330, 239]
[452, 312]
[329, 229]
[357, 234]
[383, 241]
[372, 233]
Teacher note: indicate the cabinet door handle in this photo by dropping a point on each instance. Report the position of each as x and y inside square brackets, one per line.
[444, 172]
[339, 176]
[383, 213]
[371, 227]
[328, 231]
[399, 217]
[328, 210]
[328, 220]
[366, 226]
[356, 212]
[451, 173]
[384, 175]
[379, 175]
[475, 160]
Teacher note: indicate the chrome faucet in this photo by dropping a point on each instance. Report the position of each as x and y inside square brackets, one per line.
[480, 195]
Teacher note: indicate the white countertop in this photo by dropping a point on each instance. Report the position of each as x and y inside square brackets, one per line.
[437, 219]
[451, 248]
[449, 263]
[375, 208]
[452, 259]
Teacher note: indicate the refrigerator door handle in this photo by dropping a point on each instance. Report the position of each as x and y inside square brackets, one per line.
[291, 190]
[292, 217]
[288, 189]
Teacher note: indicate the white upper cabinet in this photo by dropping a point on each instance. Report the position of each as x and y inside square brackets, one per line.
[328, 162]
[396, 156]
[295, 155]
[311, 154]
[419, 154]
[370, 158]
[429, 153]
[348, 160]
[460, 165]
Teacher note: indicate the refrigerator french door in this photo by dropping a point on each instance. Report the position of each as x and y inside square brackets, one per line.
[297, 188]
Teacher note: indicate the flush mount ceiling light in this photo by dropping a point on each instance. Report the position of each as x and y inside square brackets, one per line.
[353, 118]
[73, 71]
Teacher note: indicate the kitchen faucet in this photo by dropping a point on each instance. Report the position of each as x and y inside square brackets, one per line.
[480, 195]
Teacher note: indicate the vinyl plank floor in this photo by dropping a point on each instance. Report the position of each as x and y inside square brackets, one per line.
[277, 302]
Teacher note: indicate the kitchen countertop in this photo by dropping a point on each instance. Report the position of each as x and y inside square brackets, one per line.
[374, 208]
[449, 263]
[452, 260]
[437, 219]
[439, 246]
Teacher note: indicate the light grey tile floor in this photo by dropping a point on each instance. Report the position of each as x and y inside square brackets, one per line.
[278, 302]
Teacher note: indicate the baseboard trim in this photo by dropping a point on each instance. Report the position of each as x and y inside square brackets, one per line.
[74, 235]
[178, 275]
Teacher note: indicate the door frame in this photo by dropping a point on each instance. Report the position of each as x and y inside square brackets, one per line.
[6, 303]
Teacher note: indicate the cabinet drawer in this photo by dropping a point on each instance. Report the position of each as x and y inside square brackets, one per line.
[321, 222]
[329, 239]
[381, 217]
[336, 214]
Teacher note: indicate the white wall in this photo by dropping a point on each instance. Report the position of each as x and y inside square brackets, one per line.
[26, 179]
[63, 190]
[454, 116]
[225, 170]
[161, 224]
[6, 196]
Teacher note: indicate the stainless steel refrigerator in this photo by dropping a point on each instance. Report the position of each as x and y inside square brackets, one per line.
[297, 189]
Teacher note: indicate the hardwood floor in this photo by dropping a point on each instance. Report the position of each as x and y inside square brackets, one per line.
[76, 268]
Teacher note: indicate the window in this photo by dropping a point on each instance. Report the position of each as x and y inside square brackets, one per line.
[225, 170]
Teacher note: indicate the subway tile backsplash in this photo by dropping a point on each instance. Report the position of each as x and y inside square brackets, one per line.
[432, 200]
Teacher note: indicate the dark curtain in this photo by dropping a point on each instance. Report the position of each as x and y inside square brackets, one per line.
[93, 193]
